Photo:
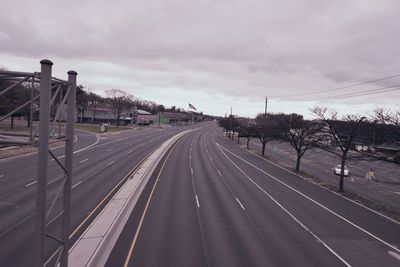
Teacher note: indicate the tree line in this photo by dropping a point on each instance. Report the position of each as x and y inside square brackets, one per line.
[348, 137]
[117, 100]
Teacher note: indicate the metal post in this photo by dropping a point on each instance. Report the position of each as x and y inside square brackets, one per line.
[44, 117]
[59, 117]
[69, 146]
[31, 112]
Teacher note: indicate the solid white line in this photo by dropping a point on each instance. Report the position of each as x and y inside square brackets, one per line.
[219, 173]
[34, 182]
[82, 161]
[110, 163]
[322, 187]
[198, 203]
[240, 203]
[395, 255]
[394, 192]
[75, 185]
[284, 209]
[309, 198]
[77, 151]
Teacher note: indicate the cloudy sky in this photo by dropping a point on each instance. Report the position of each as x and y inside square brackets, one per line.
[215, 53]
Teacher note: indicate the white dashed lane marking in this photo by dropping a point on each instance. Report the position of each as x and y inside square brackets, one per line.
[82, 161]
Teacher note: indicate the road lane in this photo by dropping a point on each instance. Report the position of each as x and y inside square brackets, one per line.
[364, 217]
[320, 163]
[177, 235]
[230, 237]
[249, 213]
[279, 239]
[357, 234]
[92, 179]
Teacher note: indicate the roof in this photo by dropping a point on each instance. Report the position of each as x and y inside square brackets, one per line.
[143, 112]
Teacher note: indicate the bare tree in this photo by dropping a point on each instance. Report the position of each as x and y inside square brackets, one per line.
[82, 101]
[302, 135]
[338, 134]
[268, 128]
[389, 118]
[13, 99]
[224, 123]
[93, 101]
[247, 130]
[119, 100]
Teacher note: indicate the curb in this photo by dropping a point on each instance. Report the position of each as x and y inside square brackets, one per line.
[95, 245]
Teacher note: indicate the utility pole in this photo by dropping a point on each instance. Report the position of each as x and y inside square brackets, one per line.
[266, 104]
[230, 124]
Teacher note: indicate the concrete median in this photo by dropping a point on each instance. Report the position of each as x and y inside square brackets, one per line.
[96, 243]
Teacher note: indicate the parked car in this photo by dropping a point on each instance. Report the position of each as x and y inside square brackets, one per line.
[338, 168]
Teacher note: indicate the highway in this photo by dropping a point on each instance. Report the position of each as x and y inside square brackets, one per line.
[99, 165]
[212, 203]
[385, 188]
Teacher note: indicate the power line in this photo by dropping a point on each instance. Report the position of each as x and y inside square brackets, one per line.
[339, 88]
[367, 92]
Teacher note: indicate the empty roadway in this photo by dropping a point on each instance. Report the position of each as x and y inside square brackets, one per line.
[215, 204]
[97, 169]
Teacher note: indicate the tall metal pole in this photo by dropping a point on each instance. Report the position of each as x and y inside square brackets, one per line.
[61, 110]
[44, 118]
[266, 104]
[230, 124]
[69, 146]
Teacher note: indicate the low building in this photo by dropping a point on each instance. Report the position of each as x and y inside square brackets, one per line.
[98, 115]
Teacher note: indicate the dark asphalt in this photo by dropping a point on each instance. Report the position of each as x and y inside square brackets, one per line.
[96, 171]
[319, 163]
[215, 204]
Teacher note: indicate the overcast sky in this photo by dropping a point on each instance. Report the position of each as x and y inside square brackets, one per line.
[214, 53]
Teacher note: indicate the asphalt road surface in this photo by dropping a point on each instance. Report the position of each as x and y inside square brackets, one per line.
[212, 203]
[99, 165]
[385, 188]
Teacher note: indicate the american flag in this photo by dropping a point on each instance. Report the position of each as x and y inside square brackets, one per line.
[192, 107]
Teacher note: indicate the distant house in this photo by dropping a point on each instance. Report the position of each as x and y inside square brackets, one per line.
[179, 117]
[105, 114]
[143, 117]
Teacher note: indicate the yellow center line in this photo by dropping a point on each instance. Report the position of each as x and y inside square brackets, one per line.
[108, 195]
[128, 257]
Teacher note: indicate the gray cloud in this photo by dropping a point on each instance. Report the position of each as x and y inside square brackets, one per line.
[237, 48]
